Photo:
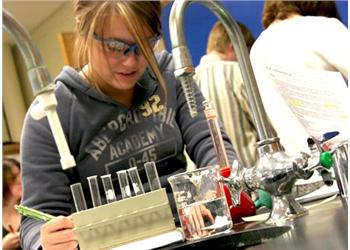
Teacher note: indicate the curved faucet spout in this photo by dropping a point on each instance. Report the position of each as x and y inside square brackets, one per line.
[183, 61]
[37, 72]
[42, 85]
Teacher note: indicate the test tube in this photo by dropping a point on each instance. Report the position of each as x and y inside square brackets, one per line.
[108, 187]
[78, 197]
[152, 175]
[94, 191]
[135, 181]
[210, 114]
[124, 183]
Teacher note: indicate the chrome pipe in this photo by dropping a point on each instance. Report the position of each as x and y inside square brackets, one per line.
[38, 73]
[42, 86]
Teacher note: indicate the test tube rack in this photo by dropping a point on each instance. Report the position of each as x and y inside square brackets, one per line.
[124, 221]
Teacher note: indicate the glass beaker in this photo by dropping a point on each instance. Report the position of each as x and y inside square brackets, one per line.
[340, 167]
[201, 202]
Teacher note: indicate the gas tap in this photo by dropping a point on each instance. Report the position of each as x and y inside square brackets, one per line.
[276, 173]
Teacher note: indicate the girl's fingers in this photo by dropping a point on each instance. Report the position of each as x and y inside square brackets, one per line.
[58, 234]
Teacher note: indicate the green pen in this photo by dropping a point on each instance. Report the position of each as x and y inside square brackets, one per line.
[33, 213]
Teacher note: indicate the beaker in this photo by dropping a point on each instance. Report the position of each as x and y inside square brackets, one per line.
[201, 203]
[108, 188]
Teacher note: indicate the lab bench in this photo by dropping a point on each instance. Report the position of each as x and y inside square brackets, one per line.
[325, 227]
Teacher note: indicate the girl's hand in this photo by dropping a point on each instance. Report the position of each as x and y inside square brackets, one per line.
[58, 234]
[198, 215]
[11, 241]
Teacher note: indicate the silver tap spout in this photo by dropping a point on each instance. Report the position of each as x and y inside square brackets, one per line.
[37, 72]
[42, 85]
[183, 60]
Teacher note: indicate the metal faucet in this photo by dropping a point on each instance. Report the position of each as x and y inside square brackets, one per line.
[42, 85]
[275, 171]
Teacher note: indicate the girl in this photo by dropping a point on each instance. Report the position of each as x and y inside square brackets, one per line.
[121, 108]
[12, 191]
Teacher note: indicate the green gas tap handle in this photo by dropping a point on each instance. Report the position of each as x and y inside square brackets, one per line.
[326, 159]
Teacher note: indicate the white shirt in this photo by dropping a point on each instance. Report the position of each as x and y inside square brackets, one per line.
[221, 82]
[297, 43]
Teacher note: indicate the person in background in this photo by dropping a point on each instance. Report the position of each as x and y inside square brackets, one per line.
[121, 108]
[12, 191]
[219, 78]
[297, 35]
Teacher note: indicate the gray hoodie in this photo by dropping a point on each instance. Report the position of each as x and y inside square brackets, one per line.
[104, 136]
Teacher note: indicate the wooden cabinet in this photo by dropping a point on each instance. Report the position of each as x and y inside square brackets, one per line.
[66, 41]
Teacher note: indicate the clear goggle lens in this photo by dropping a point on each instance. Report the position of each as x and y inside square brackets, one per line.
[121, 48]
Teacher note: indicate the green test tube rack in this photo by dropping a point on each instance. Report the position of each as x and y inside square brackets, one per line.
[124, 221]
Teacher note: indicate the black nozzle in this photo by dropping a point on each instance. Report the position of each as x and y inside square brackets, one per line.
[326, 176]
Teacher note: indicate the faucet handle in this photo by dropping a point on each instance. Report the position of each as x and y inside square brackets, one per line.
[326, 159]
[233, 184]
[319, 156]
[323, 160]
[234, 187]
[329, 135]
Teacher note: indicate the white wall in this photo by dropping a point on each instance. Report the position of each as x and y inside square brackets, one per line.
[45, 37]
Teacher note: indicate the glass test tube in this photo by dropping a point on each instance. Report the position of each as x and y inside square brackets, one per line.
[108, 187]
[124, 183]
[210, 114]
[152, 175]
[94, 191]
[78, 197]
[135, 181]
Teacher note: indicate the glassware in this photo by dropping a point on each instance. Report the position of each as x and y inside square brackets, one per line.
[108, 188]
[124, 184]
[94, 190]
[135, 181]
[78, 197]
[210, 114]
[152, 175]
[340, 167]
[201, 202]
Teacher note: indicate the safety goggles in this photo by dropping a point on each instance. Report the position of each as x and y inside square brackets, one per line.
[120, 48]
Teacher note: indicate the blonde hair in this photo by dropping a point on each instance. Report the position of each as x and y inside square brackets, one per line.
[218, 37]
[140, 17]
